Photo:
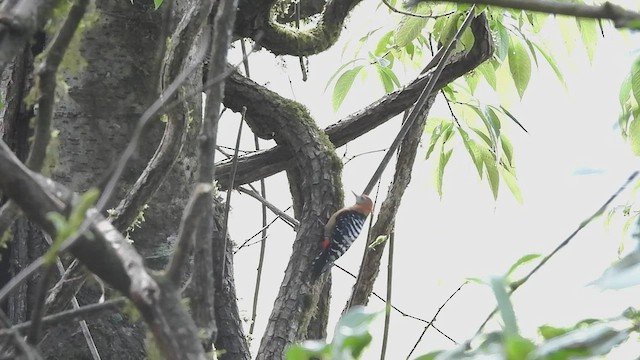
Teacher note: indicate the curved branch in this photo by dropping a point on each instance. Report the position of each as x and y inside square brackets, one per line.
[175, 134]
[320, 188]
[284, 40]
[269, 162]
[307, 9]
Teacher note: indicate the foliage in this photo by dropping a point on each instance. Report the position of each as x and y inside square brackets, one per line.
[67, 226]
[629, 120]
[585, 339]
[477, 124]
[350, 339]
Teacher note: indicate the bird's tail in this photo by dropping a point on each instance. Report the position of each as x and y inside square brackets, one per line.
[319, 264]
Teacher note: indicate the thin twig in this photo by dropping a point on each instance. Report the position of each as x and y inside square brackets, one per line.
[70, 315]
[190, 218]
[430, 324]
[286, 217]
[422, 99]
[38, 310]
[265, 226]
[24, 348]
[261, 231]
[397, 309]
[303, 68]
[362, 154]
[517, 284]
[47, 82]
[74, 302]
[408, 13]
[387, 313]
[232, 178]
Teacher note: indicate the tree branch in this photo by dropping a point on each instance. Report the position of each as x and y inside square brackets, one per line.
[104, 251]
[240, 91]
[177, 69]
[284, 40]
[620, 16]
[19, 20]
[81, 313]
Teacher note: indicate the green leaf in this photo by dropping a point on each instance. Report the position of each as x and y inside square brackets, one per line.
[352, 332]
[338, 72]
[410, 27]
[444, 127]
[532, 50]
[442, 163]
[483, 136]
[518, 347]
[502, 41]
[494, 122]
[519, 65]
[384, 44]
[635, 80]
[487, 121]
[466, 40]
[625, 90]
[472, 149]
[450, 28]
[379, 240]
[66, 227]
[492, 171]
[512, 183]
[589, 34]
[506, 112]
[307, 349]
[343, 85]
[634, 136]
[549, 332]
[568, 31]
[476, 280]
[510, 326]
[552, 62]
[622, 274]
[387, 83]
[410, 50]
[594, 340]
[507, 149]
[157, 3]
[489, 74]
[523, 260]
[472, 78]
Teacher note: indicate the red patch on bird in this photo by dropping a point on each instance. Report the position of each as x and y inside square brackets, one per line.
[325, 243]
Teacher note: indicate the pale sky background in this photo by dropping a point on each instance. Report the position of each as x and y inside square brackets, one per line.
[440, 242]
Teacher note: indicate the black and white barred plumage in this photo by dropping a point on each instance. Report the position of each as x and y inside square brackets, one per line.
[341, 231]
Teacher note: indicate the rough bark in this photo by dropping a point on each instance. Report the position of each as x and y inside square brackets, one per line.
[231, 337]
[121, 78]
[256, 22]
[321, 193]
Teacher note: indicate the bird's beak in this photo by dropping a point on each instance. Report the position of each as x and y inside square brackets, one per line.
[354, 194]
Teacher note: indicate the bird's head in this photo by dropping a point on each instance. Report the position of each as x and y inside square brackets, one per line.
[364, 202]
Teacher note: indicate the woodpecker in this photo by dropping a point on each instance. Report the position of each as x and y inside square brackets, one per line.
[342, 228]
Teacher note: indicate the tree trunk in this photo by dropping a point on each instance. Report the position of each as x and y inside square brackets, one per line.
[124, 53]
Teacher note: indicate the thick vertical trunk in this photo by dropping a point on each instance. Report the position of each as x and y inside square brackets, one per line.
[123, 54]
